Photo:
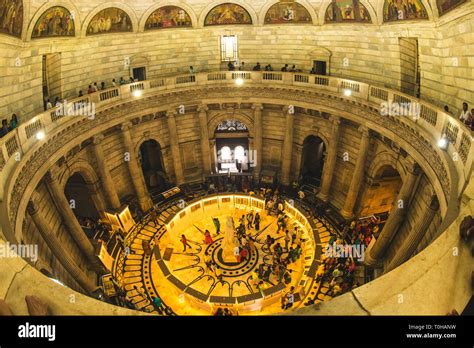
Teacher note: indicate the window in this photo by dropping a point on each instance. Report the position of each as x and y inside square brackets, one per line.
[228, 48]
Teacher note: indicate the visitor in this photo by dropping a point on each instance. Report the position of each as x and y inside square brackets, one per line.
[257, 67]
[237, 253]
[114, 84]
[293, 68]
[250, 220]
[446, 109]
[80, 94]
[287, 239]
[269, 67]
[285, 68]
[227, 312]
[13, 122]
[122, 81]
[132, 80]
[217, 225]
[207, 238]
[313, 71]
[57, 102]
[243, 255]
[102, 86]
[95, 88]
[4, 129]
[185, 243]
[191, 70]
[256, 220]
[230, 66]
[90, 90]
[290, 298]
[242, 66]
[158, 304]
[49, 105]
[219, 312]
[464, 112]
[301, 195]
[269, 206]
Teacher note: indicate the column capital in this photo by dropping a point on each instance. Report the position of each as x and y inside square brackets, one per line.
[170, 113]
[257, 106]
[286, 110]
[126, 126]
[335, 120]
[364, 131]
[202, 108]
[50, 177]
[97, 139]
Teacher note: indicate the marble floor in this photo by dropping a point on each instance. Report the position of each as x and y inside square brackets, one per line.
[143, 279]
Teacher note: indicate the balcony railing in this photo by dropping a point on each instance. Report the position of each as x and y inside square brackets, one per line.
[433, 121]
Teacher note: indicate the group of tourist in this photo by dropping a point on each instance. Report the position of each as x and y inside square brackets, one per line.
[92, 88]
[232, 66]
[362, 231]
[223, 312]
[8, 126]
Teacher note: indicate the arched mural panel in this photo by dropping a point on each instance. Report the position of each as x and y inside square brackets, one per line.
[287, 12]
[55, 21]
[11, 17]
[445, 6]
[228, 13]
[110, 20]
[399, 10]
[347, 11]
[168, 17]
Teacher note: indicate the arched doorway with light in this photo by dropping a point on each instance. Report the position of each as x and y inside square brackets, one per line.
[312, 162]
[232, 147]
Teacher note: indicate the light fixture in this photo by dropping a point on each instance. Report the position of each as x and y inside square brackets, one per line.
[239, 81]
[443, 142]
[137, 93]
[40, 135]
[347, 92]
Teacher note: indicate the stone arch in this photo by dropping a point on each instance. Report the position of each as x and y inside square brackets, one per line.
[126, 8]
[146, 136]
[68, 5]
[383, 159]
[429, 11]
[189, 10]
[373, 14]
[87, 172]
[208, 8]
[304, 3]
[216, 119]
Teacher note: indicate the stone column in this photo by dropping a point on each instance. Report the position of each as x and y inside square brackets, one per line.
[331, 159]
[174, 144]
[135, 170]
[57, 248]
[396, 217]
[205, 149]
[347, 210]
[212, 149]
[414, 237]
[113, 201]
[287, 151]
[258, 139]
[69, 218]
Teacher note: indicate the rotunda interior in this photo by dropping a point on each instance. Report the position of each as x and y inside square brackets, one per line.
[264, 157]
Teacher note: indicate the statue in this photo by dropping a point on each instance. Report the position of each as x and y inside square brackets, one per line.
[230, 241]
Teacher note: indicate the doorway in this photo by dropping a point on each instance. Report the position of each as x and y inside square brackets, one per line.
[52, 87]
[152, 166]
[139, 74]
[409, 66]
[313, 160]
[320, 67]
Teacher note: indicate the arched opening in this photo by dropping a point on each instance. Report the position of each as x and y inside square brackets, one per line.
[381, 194]
[232, 147]
[313, 160]
[79, 197]
[152, 166]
